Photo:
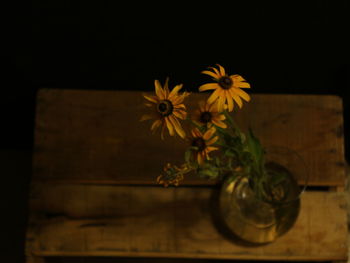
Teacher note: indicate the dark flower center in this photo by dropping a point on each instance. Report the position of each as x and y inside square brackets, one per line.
[225, 82]
[205, 117]
[199, 143]
[165, 107]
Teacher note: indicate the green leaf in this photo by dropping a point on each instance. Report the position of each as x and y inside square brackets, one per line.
[256, 150]
[243, 137]
[193, 148]
[221, 144]
[188, 155]
[217, 161]
[229, 153]
[246, 157]
[208, 171]
[277, 178]
[231, 178]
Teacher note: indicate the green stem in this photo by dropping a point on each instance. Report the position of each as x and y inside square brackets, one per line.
[232, 123]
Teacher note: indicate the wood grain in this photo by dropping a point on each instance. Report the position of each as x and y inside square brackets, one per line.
[95, 136]
[88, 144]
[87, 220]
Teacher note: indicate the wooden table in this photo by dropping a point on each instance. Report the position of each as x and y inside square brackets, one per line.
[93, 191]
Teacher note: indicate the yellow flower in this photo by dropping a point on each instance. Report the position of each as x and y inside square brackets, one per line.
[166, 108]
[208, 114]
[227, 88]
[203, 142]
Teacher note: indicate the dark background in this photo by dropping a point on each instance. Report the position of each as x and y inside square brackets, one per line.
[279, 47]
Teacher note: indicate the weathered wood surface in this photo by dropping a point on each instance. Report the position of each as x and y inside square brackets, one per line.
[96, 136]
[87, 220]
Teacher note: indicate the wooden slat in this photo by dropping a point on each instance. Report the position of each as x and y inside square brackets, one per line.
[96, 137]
[87, 220]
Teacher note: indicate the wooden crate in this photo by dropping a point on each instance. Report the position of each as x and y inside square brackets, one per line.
[93, 190]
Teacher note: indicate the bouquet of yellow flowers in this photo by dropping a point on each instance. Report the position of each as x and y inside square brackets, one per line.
[216, 145]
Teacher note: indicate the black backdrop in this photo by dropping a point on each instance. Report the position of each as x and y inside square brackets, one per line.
[285, 47]
[279, 47]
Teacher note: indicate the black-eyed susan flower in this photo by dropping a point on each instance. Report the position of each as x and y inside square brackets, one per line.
[227, 88]
[203, 144]
[208, 114]
[167, 107]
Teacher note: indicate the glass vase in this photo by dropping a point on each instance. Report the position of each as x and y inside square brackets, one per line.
[258, 218]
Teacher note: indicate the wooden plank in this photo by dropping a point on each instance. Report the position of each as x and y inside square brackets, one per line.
[96, 137]
[133, 260]
[87, 220]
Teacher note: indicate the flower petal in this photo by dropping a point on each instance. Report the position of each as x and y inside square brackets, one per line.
[202, 106]
[211, 148]
[213, 140]
[242, 85]
[215, 70]
[210, 73]
[229, 100]
[214, 96]
[180, 106]
[176, 124]
[180, 114]
[209, 86]
[237, 77]
[166, 87]
[159, 90]
[193, 133]
[207, 155]
[244, 95]
[219, 123]
[238, 101]
[213, 107]
[236, 98]
[221, 117]
[209, 125]
[155, 125]
[146, 117]
[209, 133]
[175, 90]
[221, 102]
[169, 126]
[200, 158]
[153, 99]
[222, 70]
[196, 133]
[207, 107]
[177, 99]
